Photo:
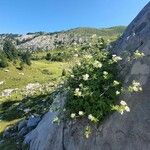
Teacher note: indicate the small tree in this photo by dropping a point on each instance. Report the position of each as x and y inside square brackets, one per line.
[26, 58]
[21, 65]
[64, 72]
[10, 50]
[3, 61]
[48, 56]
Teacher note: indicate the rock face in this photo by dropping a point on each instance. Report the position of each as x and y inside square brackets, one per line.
[130, 131]
[49, 41]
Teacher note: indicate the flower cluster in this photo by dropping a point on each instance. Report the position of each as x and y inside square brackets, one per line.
[115, 83]
[77, 92]
[87, 131]
[135, 87]
[92, 118]
[138, 54]
[105, 74]
[88, 56]
[121, 108]
[97, 64]
[73, 115]
[116, 58]
[56, 120]
[85, 77]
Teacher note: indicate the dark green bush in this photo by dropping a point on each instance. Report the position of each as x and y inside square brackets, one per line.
[10, 50]
[3, 61]
[59, 56]
[64, 73]
[21, 65]
[26, 57]
[48, 56]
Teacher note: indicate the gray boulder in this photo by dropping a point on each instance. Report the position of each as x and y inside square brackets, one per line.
[130, 131]
[23, 132]
[22, 124]
[33, 121]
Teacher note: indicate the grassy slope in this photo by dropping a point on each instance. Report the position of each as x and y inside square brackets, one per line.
[8, 106]
[31, 74]
[13, 79]
[107, 33]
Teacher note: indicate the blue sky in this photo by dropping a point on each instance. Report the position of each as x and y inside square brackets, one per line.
[21, 16]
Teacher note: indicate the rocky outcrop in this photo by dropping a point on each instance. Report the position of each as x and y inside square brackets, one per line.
[130, 131]
[136, 35]
[49, 41]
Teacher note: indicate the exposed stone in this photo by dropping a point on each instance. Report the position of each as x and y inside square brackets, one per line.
[7, 92]
[33, 121]
[6, 133]
[23, 132]
[22, 124]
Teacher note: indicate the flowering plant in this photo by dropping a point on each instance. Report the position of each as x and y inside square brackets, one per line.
[93, 85]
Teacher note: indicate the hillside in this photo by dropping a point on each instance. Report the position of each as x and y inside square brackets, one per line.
[48, 41]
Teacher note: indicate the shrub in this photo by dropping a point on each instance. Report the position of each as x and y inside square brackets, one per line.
[3, 61]
[93, 86]
[10, 50]
[48, 56]
[21, 66]
[64, 73]
[26, 57]
[59, 56]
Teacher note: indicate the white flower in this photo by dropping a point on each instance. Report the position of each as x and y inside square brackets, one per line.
[88, 56]
[77, 92]
[1, 82]
[116, 58]
[75, 55]
[117, 92]
[90, 117]
[123, 103]
[79, 64]
[135, 87]
[85, 77]
[105, 74]
[136, 83]
[73, 115]
[121, 112]
[94, 36]
[108, 40]
[72, 76]
[90, 44]
[81, 113]
[127, 108]
[115, 83]
[81, 85]
[138, 54]
[97, 64]
[56, 120]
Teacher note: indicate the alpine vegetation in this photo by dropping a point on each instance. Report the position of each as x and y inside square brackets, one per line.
[94, 85]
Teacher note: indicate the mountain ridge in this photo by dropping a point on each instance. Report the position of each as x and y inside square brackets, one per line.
[50, 40]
